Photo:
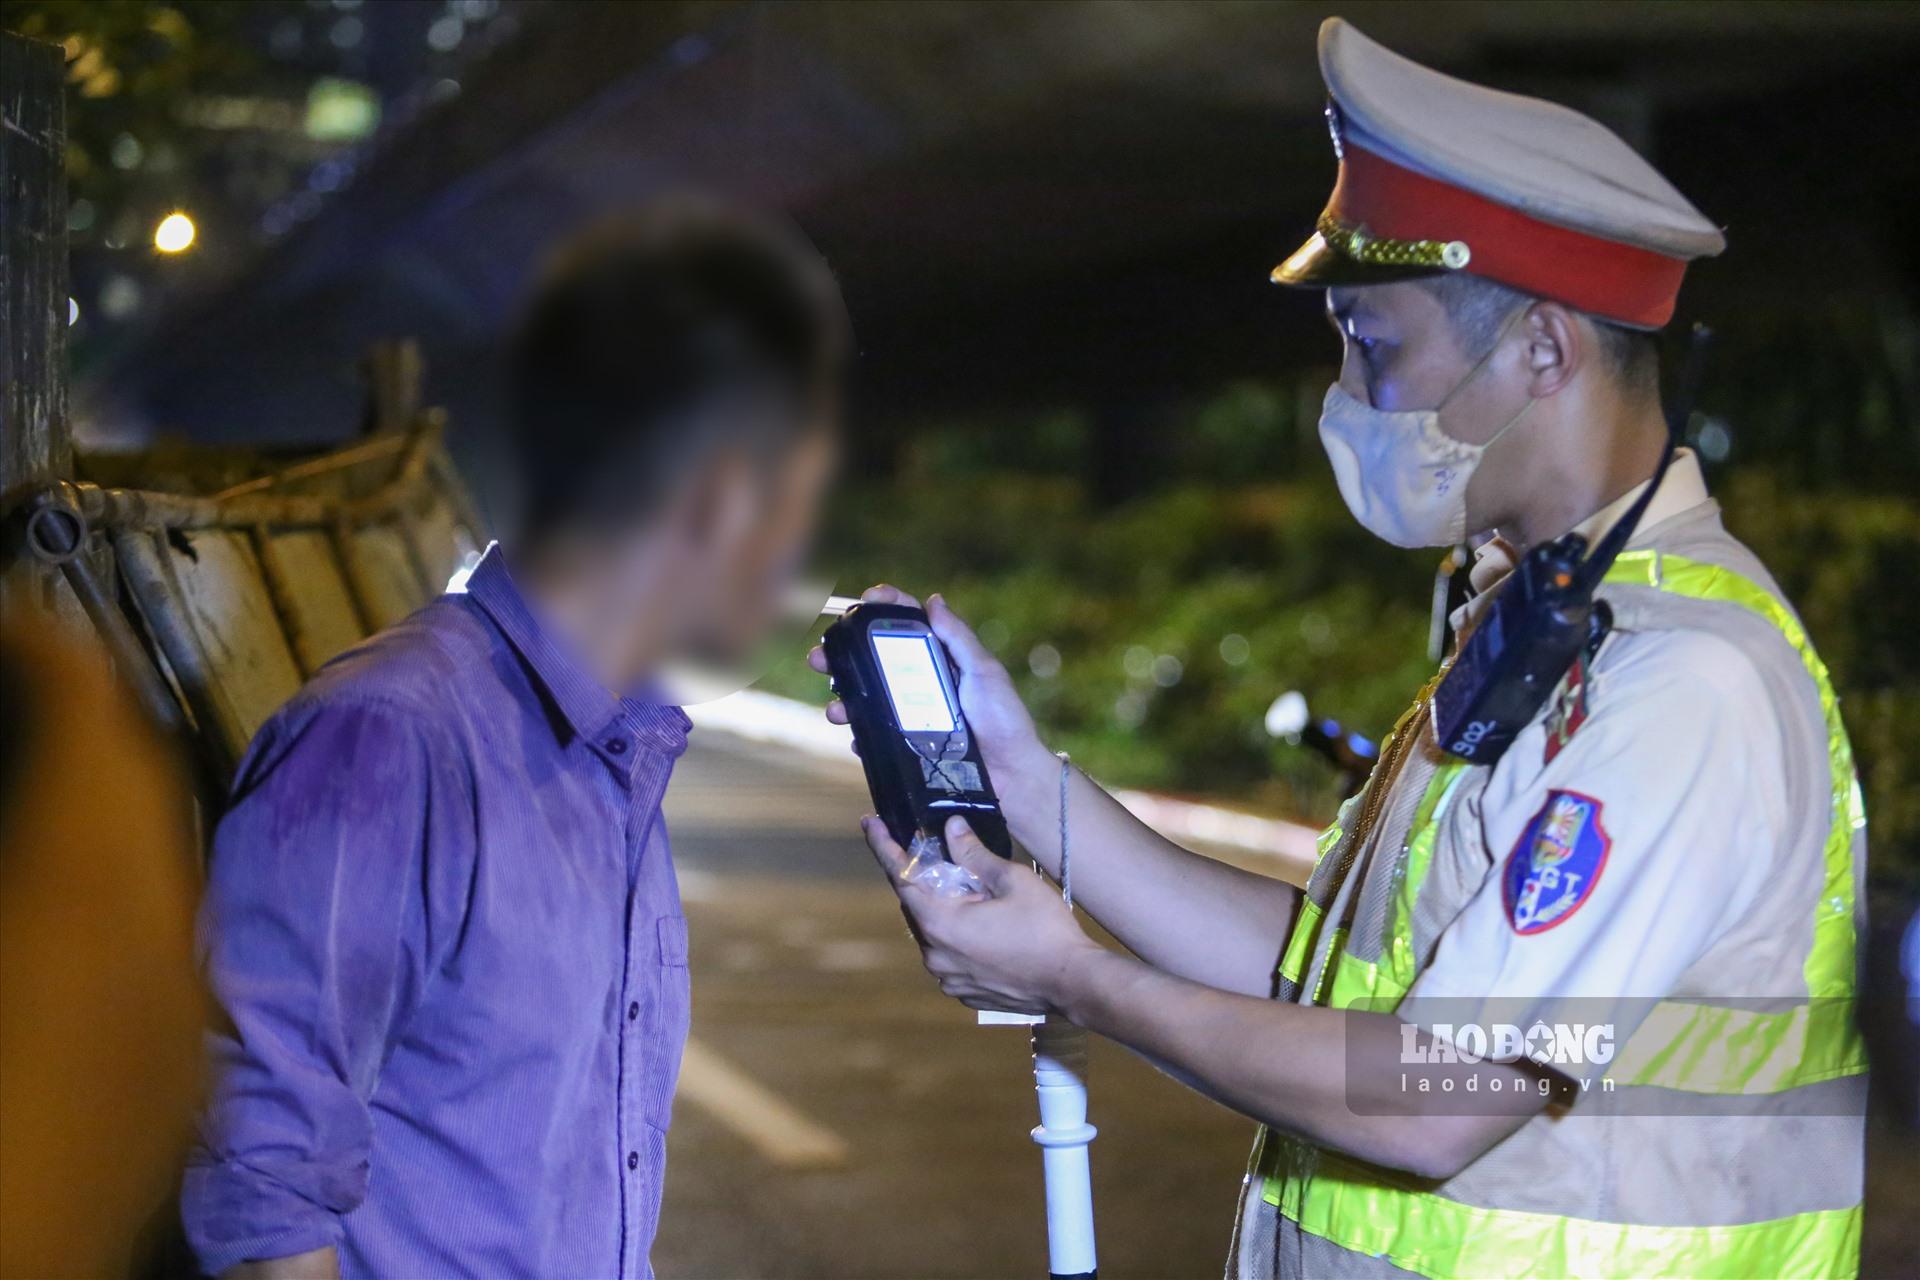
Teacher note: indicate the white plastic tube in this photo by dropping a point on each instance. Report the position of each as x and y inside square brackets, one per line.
[1060, 1078]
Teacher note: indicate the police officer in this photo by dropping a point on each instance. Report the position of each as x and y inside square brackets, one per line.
[1586, 1011]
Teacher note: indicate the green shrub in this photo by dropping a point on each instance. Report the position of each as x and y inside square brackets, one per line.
[1137, 600]
[1849, 562]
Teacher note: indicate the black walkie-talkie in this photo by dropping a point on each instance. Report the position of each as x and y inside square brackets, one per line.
[923, 766]
[1543, 618]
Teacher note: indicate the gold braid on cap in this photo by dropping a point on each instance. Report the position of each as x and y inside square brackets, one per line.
[1380, 251]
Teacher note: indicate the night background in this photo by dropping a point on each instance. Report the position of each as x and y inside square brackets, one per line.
[1080, 408]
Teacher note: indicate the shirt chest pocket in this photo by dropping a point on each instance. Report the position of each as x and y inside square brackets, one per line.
[668, 1013]
[672, 932]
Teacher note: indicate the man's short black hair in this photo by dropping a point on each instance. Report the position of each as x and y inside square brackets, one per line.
[651, 338]
[1477, 308]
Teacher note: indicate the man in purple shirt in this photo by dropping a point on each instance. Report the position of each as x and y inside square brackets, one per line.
[441, 919]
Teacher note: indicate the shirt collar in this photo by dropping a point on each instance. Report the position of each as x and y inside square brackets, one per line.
[590, 710]
[1683, 488]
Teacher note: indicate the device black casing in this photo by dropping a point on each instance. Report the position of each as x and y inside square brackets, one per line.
[914, 792]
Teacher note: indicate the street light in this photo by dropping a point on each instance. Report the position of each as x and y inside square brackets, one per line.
[174, 234]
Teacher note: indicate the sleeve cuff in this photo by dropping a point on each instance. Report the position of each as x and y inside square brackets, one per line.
[234, 1214]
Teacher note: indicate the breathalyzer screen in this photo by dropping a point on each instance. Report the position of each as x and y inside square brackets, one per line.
[913, 683]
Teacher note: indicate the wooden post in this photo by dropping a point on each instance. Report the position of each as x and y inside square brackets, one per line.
[395, 374]
[35, 440]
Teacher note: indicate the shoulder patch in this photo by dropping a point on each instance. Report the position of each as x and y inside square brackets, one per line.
[1555, 863]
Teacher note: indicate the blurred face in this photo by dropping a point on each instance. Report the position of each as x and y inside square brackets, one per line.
[752, 546]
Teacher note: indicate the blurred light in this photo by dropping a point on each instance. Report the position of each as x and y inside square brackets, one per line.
[689, 49]
[174, 234]
[346, 33]
[1316, 631]
[1167, 670]
[287, 37]
[444, 89]
[445, 34]
[1713, 439]
[330, 175]
[1130, 709]
[73, 312]
[80, 215]
[1044, 661]
[1234, 649]
[119, 297]
[238, 111]
[1288, 714]
[1137, 661]
[126, 152]
[341, 110]
[477, 10]
[102, 84]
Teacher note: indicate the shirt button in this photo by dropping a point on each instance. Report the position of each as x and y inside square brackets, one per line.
[633, 1159]
[617, 746]
[633, 1011]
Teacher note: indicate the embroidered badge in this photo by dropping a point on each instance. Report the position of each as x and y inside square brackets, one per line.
[1556, 862]
[1569, 709]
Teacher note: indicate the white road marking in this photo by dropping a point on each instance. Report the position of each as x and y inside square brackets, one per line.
[1273, 846]
[773, 1128]
[856, 955]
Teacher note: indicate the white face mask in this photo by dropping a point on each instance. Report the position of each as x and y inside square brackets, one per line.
[1402, 476]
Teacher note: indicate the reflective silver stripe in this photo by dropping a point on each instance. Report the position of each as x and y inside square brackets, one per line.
[1709, 1048]
[1268, 1246]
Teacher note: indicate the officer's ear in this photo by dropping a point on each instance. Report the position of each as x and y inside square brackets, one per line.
[1556, 347]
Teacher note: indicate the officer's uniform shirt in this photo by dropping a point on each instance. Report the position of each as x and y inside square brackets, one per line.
[1701, 766]
[1671, 717]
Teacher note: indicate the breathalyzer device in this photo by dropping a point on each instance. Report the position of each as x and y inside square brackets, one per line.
[923, 768]
[922, 764]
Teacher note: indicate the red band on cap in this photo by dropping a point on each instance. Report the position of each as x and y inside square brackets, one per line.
[1601, 277]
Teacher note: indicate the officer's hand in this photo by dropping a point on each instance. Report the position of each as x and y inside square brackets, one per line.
[994, 712]
[1007, 948]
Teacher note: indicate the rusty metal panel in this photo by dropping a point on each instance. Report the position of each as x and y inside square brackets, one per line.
[207, 604]
[382, 571]
[318, 609]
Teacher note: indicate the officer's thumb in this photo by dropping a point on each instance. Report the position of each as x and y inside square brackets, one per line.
[965, 848]
[968, 653]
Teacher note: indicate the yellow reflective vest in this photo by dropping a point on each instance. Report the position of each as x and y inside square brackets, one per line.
[1766, 1065]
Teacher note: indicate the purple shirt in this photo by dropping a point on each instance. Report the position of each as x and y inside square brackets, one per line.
[443, 927]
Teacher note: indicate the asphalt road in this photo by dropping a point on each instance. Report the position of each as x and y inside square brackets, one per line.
[838, 1117]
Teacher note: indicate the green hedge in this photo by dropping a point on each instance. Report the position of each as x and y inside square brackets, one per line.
[1850, 563]
[1179, 616]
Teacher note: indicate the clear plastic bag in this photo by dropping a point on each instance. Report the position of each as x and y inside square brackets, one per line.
[927, 865]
